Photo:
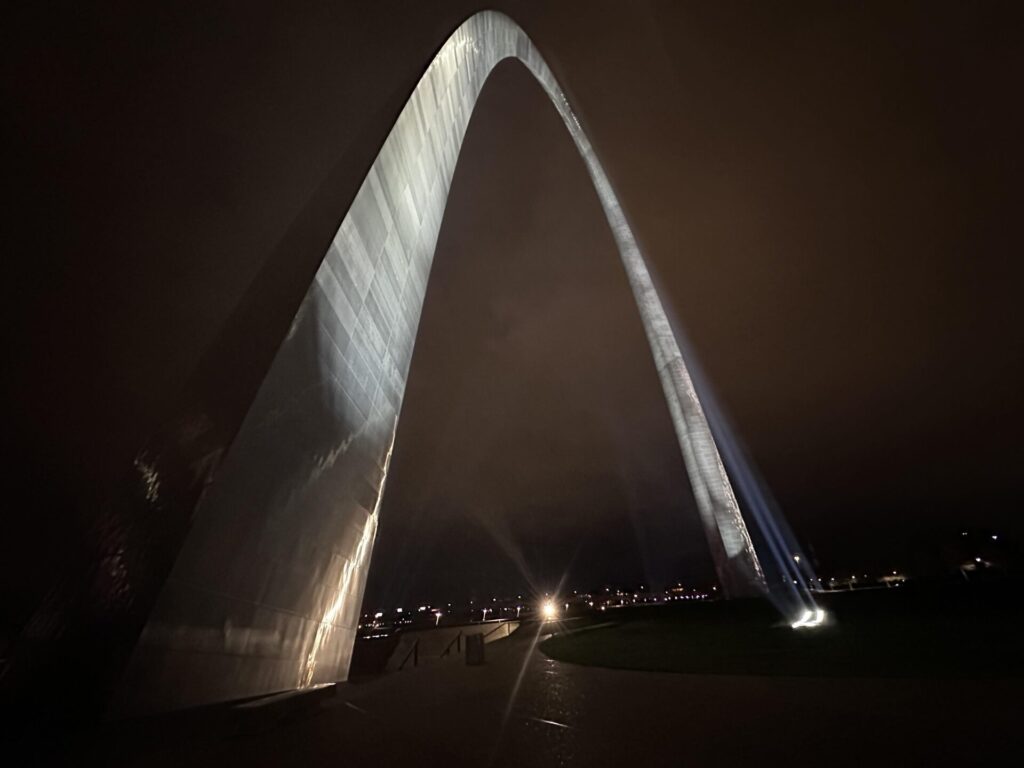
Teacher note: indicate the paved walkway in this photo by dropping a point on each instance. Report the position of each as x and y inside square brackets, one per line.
[523, 709]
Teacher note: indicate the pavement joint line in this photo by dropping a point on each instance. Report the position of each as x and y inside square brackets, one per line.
[350, 705]
[550, 722]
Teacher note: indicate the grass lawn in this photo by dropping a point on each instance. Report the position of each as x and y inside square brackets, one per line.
[958, 631]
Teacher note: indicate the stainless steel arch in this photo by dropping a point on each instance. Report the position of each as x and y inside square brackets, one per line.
[265, 593]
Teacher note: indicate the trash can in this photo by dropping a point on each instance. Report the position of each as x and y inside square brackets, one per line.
[475, 650]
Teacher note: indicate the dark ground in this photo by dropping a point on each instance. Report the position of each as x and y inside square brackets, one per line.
[908, 631]
[845, 706]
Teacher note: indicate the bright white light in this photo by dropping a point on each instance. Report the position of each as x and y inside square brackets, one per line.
[378, 615]
[803, 620]
[549, 610]
[810, 618]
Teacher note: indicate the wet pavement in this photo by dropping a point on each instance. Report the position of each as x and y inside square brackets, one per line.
[524, 709]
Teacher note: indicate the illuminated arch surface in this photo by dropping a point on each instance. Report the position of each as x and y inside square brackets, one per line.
[265, 593]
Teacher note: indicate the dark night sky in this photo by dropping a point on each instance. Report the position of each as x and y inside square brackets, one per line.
[829, 194]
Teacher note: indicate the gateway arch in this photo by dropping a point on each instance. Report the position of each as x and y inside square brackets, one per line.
[265, 592]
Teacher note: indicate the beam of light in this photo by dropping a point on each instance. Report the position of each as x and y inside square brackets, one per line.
[791, 582]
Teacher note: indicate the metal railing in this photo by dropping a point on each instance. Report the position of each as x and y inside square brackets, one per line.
[414, 652]
[457, 642]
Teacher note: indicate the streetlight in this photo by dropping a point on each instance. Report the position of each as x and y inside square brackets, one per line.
[549, 610]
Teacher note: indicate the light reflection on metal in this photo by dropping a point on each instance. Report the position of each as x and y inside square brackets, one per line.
[326, 626]
[354, 568]
[150, 478]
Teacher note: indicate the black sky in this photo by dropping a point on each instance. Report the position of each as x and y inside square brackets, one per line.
[829, 194]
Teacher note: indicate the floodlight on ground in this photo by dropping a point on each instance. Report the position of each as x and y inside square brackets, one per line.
[809, 619]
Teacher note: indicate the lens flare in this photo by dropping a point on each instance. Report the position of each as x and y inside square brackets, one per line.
[549, 610]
